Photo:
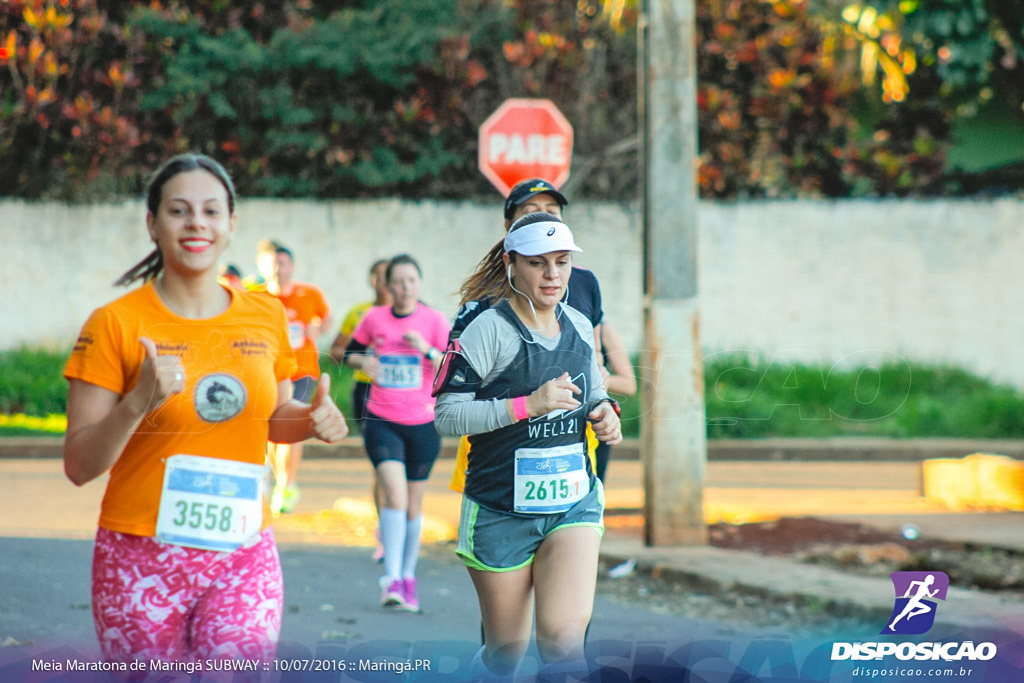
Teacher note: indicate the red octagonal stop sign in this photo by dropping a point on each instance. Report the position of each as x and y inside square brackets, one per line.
[525, 138]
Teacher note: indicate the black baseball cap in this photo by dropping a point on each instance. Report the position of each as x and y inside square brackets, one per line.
[525, 189]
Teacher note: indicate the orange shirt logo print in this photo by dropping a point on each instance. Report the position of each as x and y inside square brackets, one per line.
[85, 344]
[250, 347]
[219, 397]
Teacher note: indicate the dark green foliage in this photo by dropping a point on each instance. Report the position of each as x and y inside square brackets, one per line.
[328, 107]
[965, 26]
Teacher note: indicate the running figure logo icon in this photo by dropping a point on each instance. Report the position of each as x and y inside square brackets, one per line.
[916, 593]
[219, 397]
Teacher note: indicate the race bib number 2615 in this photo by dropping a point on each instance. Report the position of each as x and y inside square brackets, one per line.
[550, 480]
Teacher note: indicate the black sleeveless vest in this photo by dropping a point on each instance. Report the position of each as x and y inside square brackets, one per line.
[490, 475]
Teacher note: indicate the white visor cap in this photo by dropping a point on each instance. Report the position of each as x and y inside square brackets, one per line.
[540, 238]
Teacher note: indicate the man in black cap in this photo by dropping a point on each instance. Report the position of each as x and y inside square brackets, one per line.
[530, 196]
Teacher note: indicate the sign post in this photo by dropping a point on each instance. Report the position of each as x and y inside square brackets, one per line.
[525, 138]
[673, 426]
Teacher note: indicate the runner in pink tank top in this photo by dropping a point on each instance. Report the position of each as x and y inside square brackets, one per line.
[398, 347]
[400, 342]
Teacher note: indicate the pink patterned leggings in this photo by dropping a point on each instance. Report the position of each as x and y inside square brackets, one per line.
[153, 600]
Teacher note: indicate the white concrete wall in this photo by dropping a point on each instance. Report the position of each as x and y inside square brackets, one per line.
[823, 282]
[865, 280]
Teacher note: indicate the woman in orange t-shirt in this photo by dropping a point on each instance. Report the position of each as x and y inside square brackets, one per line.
[174, 388]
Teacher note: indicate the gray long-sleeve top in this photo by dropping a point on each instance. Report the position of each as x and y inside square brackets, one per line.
[489, 344]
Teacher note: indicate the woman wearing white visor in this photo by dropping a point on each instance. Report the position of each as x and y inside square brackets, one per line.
[522, 381]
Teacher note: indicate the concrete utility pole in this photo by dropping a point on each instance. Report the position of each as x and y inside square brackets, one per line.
[673, 426]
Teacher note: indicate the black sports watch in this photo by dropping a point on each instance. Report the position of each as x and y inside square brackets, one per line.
[612, 402]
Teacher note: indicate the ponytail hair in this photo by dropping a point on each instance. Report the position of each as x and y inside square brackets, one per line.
[490, 278]
[145, 270]
[149, 267]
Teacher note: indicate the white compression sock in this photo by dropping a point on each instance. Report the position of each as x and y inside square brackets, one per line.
[392, 537]
[413, 531]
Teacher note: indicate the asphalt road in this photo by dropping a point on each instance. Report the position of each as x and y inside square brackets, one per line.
[331, 612]
[331, 595]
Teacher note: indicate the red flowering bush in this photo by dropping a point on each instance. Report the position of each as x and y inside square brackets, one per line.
[343, 98]
[781, 103]
[66, 74]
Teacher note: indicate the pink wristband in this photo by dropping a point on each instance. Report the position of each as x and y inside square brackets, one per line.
[519, 411]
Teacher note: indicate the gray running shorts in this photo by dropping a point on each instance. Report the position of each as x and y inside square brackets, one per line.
[499, 542]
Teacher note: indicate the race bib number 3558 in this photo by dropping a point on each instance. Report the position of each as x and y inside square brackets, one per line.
[210, 503]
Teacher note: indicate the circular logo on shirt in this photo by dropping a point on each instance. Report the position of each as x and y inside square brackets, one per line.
[219, 397]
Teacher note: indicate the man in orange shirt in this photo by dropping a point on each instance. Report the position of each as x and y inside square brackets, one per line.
[308, 313]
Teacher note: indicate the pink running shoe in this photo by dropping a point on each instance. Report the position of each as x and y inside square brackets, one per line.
[412, 601]
[392, 592]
